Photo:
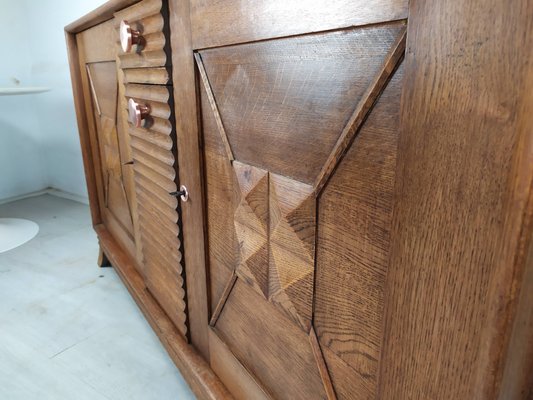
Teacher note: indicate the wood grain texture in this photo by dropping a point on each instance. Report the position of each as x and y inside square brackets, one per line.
[367, 101]
[153, 124]
[203, 381]
[322, 367]
[166, 239]
[146, 58]
[83, 130]
[96, 44]
[232, 21]
[222, 199]
[168, 291]
[151, 150]
[211, 98]
[269, 345]
[160, 140]
[160, 220]
[190, 173]
[160, 94]
[159, 238]
[276, 260]
[291, 262]
[127, 160]
[275, 215]
[222, 300]
[431, 301]
[517, 378]
[241, 383]
[161, 247]
[162, 168]
[251, 220]
[159, 197]
[347, 382]
[168, 185]
[90, 125]
[353, 241]
[283, 103]
[151, 76]
[103, 82]
[463, 183]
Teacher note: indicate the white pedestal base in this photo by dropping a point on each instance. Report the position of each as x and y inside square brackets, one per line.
[15, 232]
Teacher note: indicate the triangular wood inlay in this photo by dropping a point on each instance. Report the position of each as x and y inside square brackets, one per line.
[284, 103]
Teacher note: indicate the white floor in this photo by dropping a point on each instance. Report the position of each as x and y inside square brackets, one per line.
[68, 329]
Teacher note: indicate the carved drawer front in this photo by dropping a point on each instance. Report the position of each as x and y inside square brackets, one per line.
[143, 41]
[152, 141]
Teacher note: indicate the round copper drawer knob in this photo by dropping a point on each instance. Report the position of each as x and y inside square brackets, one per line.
[137, 112]
[128, 36]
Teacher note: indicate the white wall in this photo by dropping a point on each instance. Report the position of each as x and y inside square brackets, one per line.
[39, 145]
[21, 159]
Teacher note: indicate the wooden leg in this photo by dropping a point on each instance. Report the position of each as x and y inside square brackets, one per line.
[103, 261]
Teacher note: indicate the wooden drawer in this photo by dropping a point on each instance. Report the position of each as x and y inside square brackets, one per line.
[149, 60]
[158, 215]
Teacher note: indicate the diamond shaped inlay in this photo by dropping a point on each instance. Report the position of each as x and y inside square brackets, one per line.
[251, 225]
[292, 247]
[275, 227]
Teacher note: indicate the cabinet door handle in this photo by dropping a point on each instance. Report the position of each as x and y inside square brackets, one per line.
[129, 36]
[183, 193]
[137, 112]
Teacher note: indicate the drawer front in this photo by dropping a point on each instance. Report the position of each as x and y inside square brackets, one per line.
[158, 215]
[143, 41]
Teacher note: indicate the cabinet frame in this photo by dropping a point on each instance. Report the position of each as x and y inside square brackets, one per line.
[505, 331]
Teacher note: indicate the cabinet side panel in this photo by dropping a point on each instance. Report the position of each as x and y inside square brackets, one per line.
[461, 195]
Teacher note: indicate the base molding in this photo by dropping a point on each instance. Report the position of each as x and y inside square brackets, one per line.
[196, 371]
[50, 191]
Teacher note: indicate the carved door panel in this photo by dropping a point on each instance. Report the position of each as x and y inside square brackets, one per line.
[299, 139]
[102, 78]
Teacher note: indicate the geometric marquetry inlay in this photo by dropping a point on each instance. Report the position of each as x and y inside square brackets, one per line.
[284, 114]
[292, 247]
[275, 227]
[251, 226]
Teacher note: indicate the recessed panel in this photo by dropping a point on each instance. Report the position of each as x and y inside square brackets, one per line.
[354, 214]
[269, 345]
[284, 102]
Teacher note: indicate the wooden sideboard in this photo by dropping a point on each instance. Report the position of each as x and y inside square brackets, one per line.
[318, 200]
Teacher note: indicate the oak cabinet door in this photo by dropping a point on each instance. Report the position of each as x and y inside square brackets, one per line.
[107, 135]
[300, 138]
[103, 80]
[145, 79]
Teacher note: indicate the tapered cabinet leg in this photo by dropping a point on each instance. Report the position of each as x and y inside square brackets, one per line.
[103, 261]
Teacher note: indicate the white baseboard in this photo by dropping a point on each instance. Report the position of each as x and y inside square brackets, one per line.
[67, 195]
[50, 191]
[23, 196]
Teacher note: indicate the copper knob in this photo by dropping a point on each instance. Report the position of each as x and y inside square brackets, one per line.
[137, 112]
[128, 36]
